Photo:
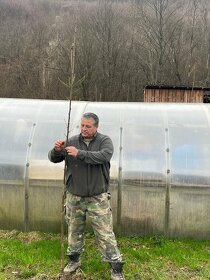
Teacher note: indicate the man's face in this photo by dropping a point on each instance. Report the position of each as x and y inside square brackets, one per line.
[88, 128]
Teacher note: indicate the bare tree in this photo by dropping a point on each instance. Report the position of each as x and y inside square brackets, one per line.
[123, 45]
[158, 22]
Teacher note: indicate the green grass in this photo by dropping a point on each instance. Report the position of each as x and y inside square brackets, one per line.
[37, 256]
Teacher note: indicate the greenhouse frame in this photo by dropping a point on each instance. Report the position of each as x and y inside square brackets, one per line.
[160, 170]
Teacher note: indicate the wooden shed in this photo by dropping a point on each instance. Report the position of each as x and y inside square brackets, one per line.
[177, 94]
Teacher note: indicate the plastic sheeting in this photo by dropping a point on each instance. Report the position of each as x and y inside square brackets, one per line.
[155, 138]
[159, 148]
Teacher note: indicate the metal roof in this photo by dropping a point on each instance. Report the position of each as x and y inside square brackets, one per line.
[176, 87]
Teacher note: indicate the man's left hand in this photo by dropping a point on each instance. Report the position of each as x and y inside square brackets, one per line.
[72, 151]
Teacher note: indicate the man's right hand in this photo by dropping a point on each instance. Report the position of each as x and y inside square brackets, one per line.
[59, 145]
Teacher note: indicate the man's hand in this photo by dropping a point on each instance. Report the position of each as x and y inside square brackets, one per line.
[59, 145]
[72, 151]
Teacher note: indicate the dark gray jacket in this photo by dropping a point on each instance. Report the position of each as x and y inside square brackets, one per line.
[88, 173]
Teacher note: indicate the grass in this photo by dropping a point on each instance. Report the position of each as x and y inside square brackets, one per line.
[36, 255]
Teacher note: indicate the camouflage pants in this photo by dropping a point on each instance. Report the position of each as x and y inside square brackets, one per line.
[100, 215]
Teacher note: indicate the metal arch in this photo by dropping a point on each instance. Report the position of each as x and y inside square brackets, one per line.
[26, 178]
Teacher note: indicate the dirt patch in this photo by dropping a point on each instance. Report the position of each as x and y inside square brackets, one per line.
[27, 237]
[76, 276]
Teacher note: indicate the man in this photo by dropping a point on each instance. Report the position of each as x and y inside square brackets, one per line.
[87, 158]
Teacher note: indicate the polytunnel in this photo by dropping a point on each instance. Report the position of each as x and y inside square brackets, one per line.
[160, 171]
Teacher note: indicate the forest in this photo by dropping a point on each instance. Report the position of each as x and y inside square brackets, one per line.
[120, 47]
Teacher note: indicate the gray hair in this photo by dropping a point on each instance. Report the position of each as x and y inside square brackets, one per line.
[91, 116]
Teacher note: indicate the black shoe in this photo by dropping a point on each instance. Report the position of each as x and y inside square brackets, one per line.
[71, 267]
[117, 271]
[115, 275]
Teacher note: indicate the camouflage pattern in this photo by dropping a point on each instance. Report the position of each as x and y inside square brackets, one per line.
[100, 215]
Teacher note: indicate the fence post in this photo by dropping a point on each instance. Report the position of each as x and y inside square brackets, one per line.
[168, 184]
[26, 179]
[119, 189]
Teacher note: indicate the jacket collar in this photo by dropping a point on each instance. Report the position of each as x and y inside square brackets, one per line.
[83, 139]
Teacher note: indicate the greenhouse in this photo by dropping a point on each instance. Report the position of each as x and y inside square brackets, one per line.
[160, 171]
